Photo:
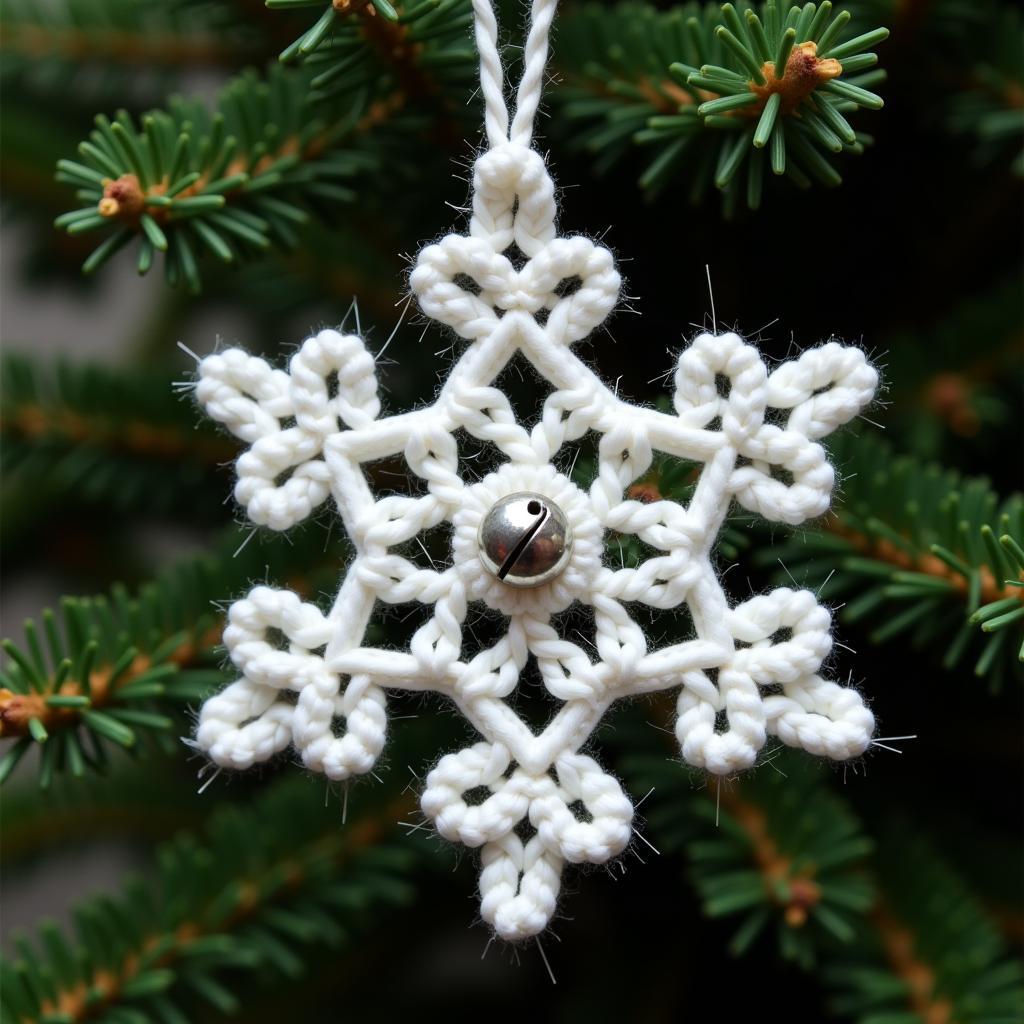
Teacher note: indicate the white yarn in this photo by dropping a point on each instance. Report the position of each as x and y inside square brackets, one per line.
[324, 694]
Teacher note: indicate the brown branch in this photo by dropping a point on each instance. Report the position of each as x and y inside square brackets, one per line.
[18, 709]
[878, 548]
[124, 198]
[949, 395]
[883, 550]
[663, 94]
[898, 943]
[79, 1002]
[796, 892]
[143, 49]
[135, 437]
[391, 41]
[805, 71]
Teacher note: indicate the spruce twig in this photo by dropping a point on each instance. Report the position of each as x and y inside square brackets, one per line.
[928, 951]
[119, 668]
[230, 183]
[96, 434]
[263, 880]
[775, 849]
[740, 94]
[919, 553]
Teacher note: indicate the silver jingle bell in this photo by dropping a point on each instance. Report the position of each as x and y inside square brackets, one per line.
[525, 540]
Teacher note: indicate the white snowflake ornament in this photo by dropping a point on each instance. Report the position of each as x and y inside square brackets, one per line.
[527, 542]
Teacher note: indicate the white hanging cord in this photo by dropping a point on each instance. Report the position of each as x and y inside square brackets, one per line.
[535, 58]
[492, 73]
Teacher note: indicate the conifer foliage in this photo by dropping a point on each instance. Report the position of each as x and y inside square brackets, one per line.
[851, 166]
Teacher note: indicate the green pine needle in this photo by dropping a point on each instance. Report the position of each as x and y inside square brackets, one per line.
[259, 883]
[124, 668]
[778, 846]
[191, 180]
[922, 552]
[931, 939]
[708, 74]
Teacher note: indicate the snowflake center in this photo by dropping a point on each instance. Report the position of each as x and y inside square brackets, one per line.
[525, 540]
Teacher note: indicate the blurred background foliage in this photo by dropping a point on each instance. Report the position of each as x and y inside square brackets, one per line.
[269, 170]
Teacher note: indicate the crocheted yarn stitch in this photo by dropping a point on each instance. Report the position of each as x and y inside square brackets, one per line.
[312, 431]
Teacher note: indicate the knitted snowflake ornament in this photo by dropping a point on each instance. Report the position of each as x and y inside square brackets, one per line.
[312, 431]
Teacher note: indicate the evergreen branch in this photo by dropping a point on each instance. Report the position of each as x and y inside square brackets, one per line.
[891, 926]
[265, 878]
[415, 53]
[963, 376]
[332, 17]
[117, 436]
[705, 84]
[229, 182]
[927, 540]
[776, 848]
[415, 40]
[53, 43]
[931, 954]
[112, 670]
[118, 806]
[105, 677]
[334, 263]
[989, 107]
